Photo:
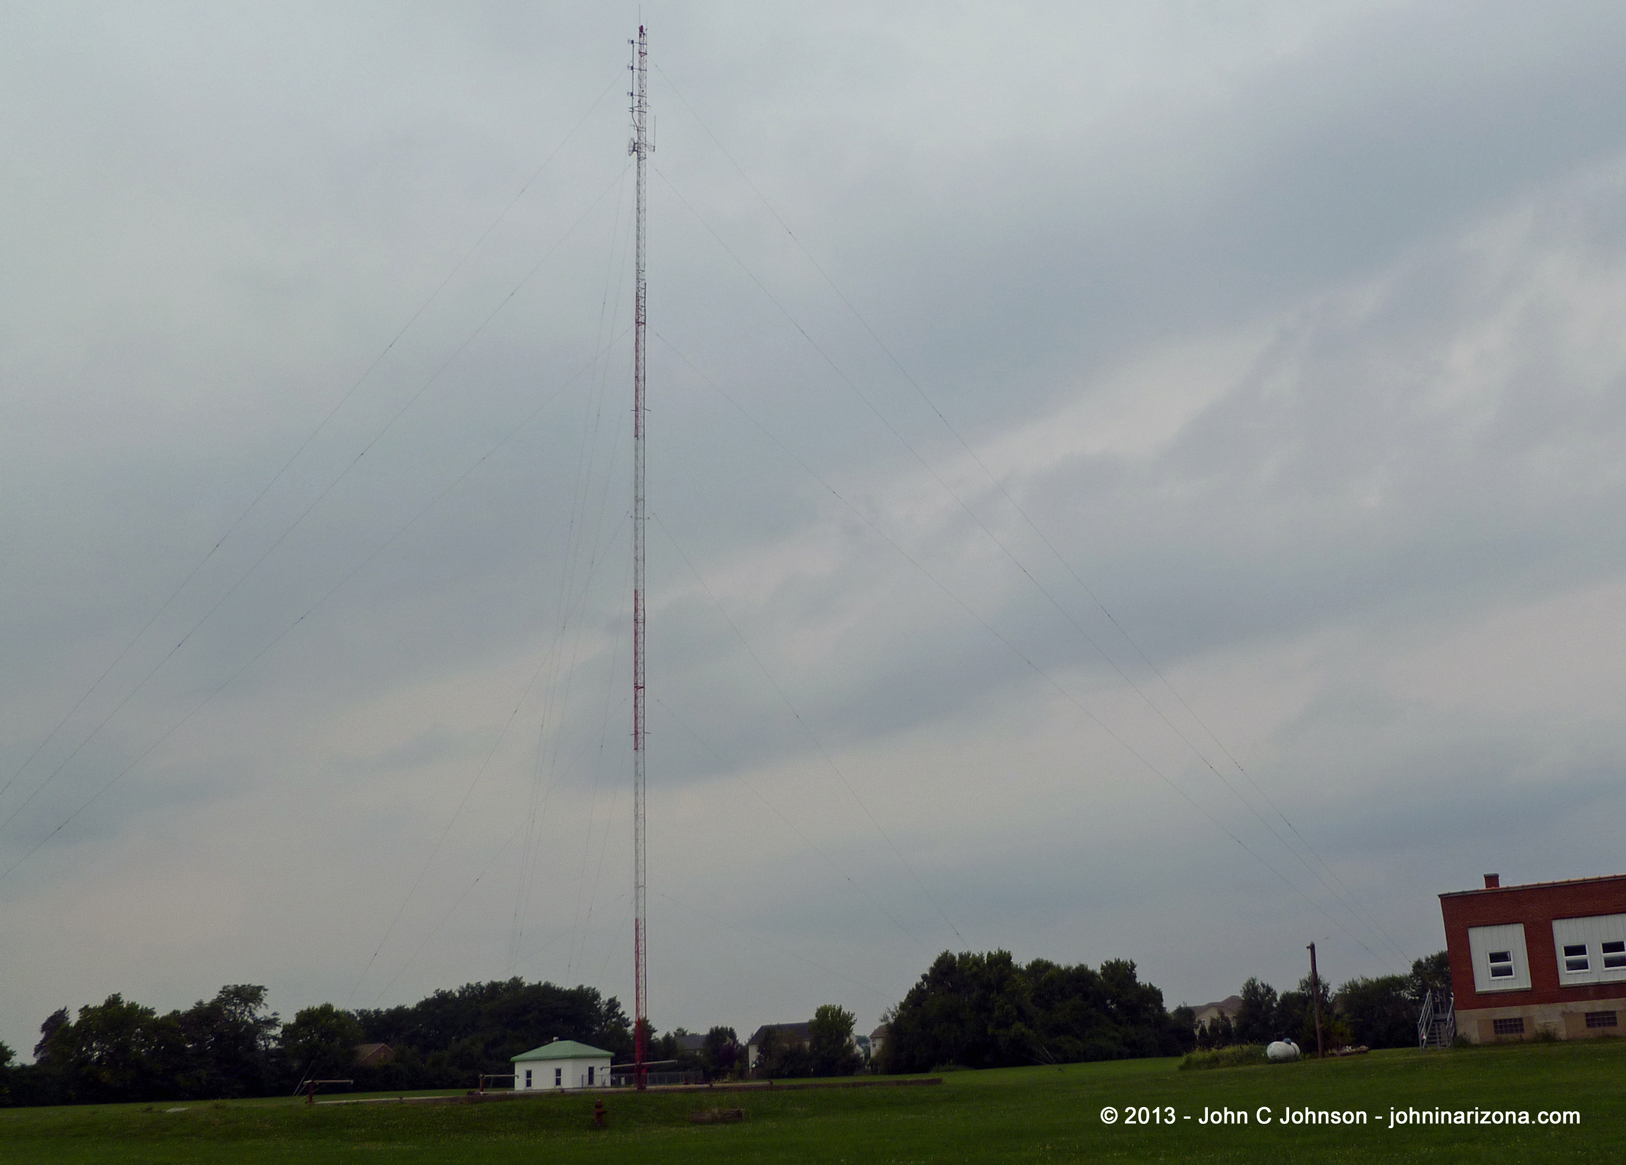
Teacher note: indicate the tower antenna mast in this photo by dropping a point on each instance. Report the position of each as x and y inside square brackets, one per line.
[639, 146]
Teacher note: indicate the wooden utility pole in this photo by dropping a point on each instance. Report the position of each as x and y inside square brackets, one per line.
[1315, 996]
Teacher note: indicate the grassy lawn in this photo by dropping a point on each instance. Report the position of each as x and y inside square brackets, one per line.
[1039, 1114]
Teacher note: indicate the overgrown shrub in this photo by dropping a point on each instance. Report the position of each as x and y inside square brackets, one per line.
[1235, 1056]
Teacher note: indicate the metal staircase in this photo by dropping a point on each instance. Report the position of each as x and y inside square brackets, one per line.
[1437, 1023]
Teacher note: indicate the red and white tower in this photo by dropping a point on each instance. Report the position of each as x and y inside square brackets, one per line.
[640, 931]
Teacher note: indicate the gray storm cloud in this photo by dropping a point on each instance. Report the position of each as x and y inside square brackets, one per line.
[1293, 336]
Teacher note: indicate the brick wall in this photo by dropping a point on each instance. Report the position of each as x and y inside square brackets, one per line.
[1535, 905]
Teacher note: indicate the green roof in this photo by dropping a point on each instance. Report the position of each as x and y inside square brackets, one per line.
[563, 1050]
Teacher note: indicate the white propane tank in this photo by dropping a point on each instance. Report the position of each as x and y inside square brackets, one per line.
[1283, 1050]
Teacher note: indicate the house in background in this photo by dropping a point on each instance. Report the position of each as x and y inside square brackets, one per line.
[785, 1034]
[562, 1064]
[1210, 1013]
[1544, 958]
[877, 1038]
[373, 1055]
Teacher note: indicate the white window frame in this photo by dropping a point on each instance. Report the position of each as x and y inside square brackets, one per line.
[1591, 931]
[527, 1077]
[1483, 941]
[558, 1077]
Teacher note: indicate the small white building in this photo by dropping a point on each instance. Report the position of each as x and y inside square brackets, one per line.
[562, 1064]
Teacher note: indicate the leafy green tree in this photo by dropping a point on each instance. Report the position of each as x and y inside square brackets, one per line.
[115, 1051]
[782, 1056]
[769, 1048]
[1429, 973]
[1257, 1019]
[881, 1059]
[1380, 1012]
[830, 1042]
[666, 1047]
[985, 1011]
[721, 1052]
[450, 1037]
[671, 1047]
[320, 1043]
[1295, 1018]
[229, 1044]
[54, 1022]
[1144, 1027]
[44, 1081]
[1216, 1033]
[966, 1010]
[119, 1050]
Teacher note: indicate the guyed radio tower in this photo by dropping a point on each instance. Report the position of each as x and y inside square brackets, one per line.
[639, 147]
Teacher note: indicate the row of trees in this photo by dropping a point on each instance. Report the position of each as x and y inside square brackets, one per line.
[988, 1011]
[232, 1045]
[1379, 1012]
[968, 1010]
[120, 1050]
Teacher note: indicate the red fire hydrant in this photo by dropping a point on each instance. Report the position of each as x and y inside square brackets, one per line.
[599, 1114]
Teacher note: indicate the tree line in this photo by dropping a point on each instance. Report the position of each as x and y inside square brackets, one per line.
[1379, 1012]
[234, 1046]
[968, 1010]
[989, 1011]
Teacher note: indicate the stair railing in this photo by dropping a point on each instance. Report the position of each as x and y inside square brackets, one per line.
[1425, 1021]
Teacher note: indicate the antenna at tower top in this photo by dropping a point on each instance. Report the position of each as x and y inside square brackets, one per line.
[639, 147]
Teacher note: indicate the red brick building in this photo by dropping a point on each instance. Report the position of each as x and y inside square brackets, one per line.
[1546, 957]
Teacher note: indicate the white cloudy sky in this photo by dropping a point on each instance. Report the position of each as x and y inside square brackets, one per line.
[1130, 480]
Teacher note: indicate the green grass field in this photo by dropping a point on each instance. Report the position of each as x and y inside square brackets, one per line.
[1039, 1114]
